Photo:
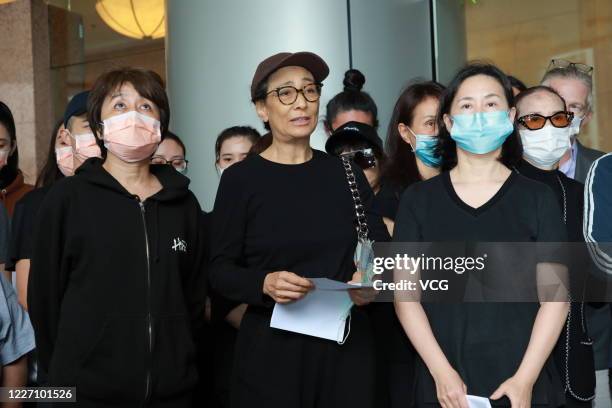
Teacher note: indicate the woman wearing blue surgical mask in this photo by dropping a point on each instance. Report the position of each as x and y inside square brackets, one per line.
[171, 151]
[410, 146]
[495, 350]
[411, 143]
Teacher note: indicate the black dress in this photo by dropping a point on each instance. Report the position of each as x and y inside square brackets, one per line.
[395, 353]
[574, 358]
[484, 342]
[300, 218]
[387, 200]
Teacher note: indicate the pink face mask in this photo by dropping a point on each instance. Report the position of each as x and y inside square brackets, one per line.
[132, 136]
[65, 160]
[86, 146]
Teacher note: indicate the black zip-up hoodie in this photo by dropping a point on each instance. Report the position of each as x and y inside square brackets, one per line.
[117, 287]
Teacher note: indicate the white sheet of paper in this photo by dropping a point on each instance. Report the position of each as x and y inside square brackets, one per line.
[321, 313]
[330, 284]
[478, 402]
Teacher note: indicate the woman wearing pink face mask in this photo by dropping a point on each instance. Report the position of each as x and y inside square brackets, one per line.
[116, 284]
[72, 143]
[78, 141]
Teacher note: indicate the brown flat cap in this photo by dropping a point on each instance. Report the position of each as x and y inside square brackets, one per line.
[308, 60]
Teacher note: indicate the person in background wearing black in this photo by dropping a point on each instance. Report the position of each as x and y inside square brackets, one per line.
[494, 349]
[117, 285]
[73, 144]
[171, 151]
[50, 171]
[411, 157]
[411, 144]
[351, 105]
[12, 186]
[360, 143]
[281, 217]
[544, 127]
[233, 145]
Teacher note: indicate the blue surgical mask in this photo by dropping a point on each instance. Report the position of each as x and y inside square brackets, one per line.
[425, 149]
[482, 132]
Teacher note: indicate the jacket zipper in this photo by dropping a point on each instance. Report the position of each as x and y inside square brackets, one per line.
[149, 317]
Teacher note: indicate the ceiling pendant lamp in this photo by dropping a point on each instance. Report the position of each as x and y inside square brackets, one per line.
[140, 19]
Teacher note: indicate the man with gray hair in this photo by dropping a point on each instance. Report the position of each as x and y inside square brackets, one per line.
[573, 81]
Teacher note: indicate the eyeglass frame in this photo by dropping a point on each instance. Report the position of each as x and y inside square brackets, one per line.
[318, 85]
[584, 68]
[569, 114]
[166, 162]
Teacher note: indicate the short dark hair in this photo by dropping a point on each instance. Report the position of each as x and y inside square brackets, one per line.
[401, 168]
[172, 136]
[535, 89]
[517, 83]
[512, 150]
[7, 119]
[235, 131]
[261, 92]
[147, 83]
[351, 98]
[50, 173]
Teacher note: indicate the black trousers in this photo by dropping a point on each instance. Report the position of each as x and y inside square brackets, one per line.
[279, 369]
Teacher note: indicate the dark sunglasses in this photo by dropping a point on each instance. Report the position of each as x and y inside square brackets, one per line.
[364, 158]
[536, 121]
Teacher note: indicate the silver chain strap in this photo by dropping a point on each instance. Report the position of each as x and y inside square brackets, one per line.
[362, 224]
[568, 386]
[564, 199]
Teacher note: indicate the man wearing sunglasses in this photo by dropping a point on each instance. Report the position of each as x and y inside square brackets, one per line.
[361, 143]
[574, 82]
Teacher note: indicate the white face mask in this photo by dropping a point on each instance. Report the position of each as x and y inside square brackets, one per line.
[220, 170]
[575, 126]
[545, 147]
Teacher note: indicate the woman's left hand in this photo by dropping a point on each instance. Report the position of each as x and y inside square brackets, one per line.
[361, 297]
[517, 390]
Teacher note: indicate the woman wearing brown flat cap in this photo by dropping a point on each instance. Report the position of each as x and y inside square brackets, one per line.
[282, 217]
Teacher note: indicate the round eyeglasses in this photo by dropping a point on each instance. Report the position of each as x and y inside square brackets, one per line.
[287, 95]
[179, 164]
